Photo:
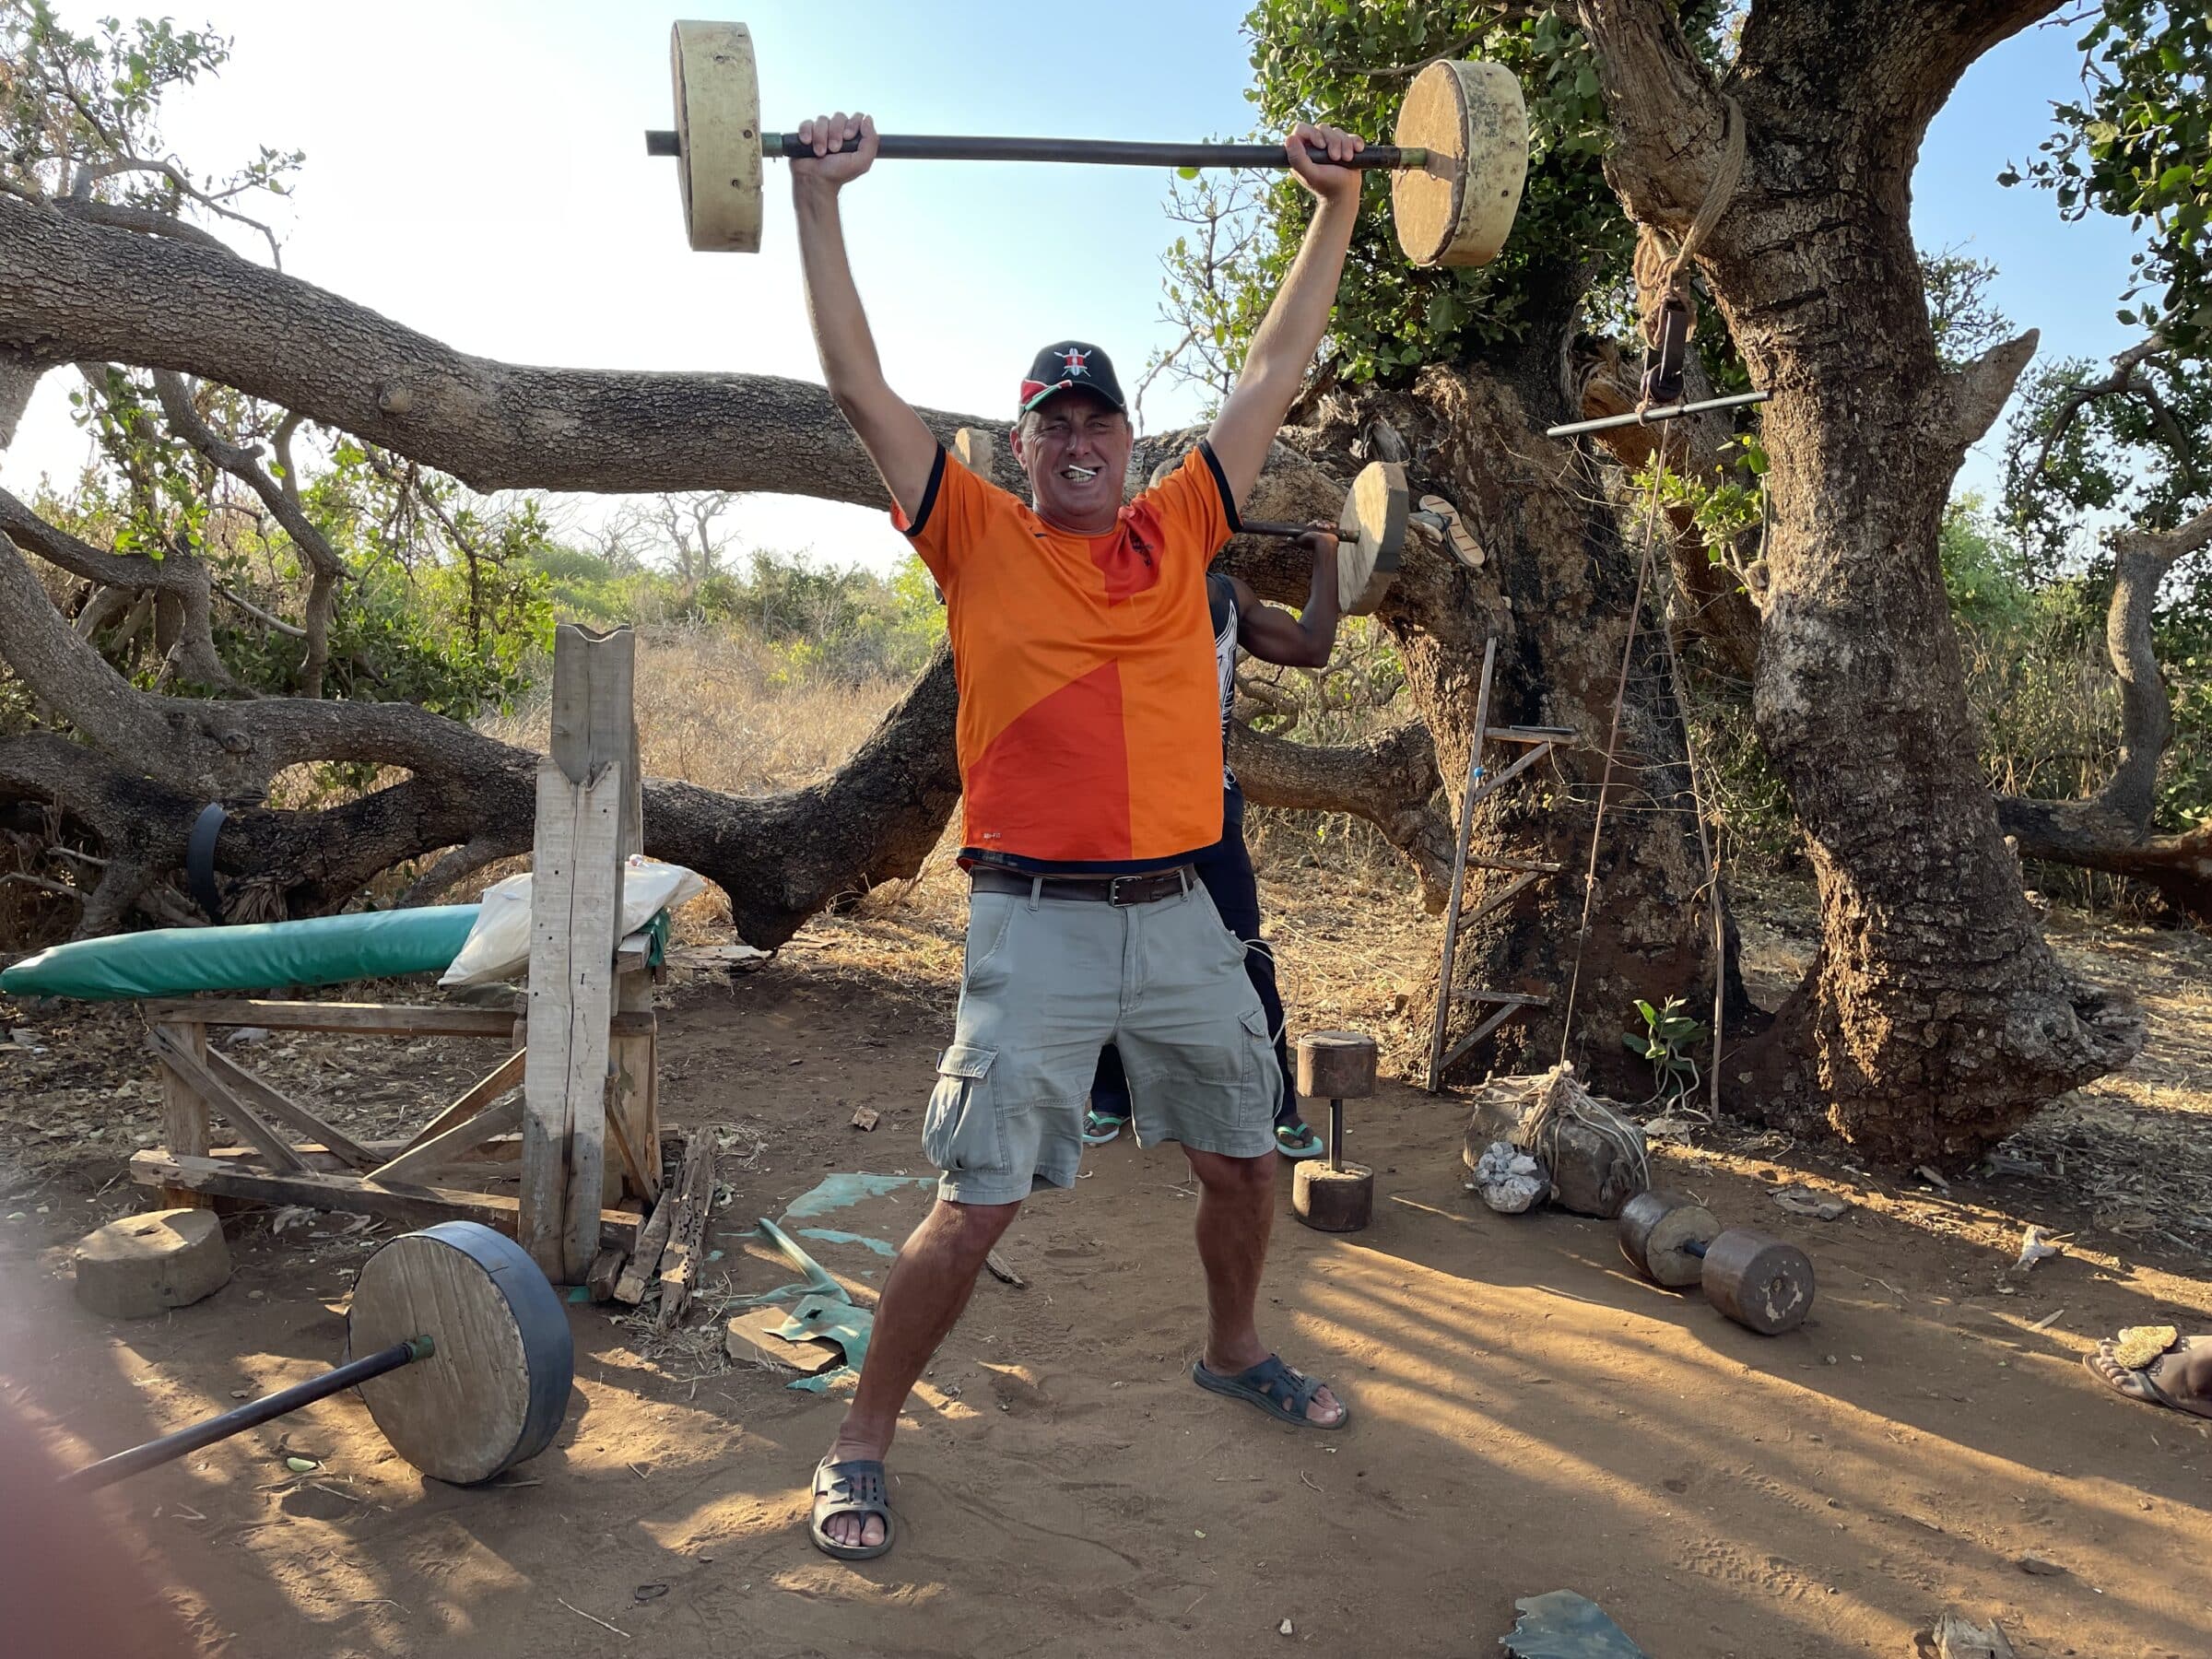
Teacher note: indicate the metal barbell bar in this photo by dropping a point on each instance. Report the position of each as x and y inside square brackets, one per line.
[1457, 159]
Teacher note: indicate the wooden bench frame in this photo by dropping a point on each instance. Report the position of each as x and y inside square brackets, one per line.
[573, 1110]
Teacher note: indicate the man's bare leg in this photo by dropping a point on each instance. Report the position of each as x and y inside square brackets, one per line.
[1236, 1212]
[928, 1287]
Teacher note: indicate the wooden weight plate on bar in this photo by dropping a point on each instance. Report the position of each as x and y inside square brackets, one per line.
[1341, 1200]
[1370, 534]
[718, 134]
[1335, 1066]
[1759, 1281]
[495, 1392]
[1654, 1230]
[1457, 209]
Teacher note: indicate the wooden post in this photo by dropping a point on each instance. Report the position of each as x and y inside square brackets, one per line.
[183, 1112]
[584, 793]
[634, 1093]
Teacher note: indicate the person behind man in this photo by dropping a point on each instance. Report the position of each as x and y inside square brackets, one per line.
[1274, 635]
[1089, 747]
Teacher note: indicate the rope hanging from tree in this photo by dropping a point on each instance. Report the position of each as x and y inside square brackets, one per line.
[1662, 276]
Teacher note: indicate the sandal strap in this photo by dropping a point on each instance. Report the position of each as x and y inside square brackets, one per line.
[1292, 1390]
[854, 1487]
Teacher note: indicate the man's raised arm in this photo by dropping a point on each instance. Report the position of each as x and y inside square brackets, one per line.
[903, 449]
[1281, 352]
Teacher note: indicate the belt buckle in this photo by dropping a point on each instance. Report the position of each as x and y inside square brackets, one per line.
[1114, 891]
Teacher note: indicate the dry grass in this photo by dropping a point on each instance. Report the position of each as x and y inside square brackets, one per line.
[714, 708]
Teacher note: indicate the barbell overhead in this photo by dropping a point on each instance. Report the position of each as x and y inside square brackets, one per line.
[1457, 160]
[465, 1368]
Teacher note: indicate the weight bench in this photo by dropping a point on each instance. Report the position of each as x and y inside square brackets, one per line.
[581, 1069]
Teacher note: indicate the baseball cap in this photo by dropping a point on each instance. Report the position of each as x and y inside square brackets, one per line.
[1069, 366]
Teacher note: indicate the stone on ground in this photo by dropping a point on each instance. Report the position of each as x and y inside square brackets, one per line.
[147, 1264]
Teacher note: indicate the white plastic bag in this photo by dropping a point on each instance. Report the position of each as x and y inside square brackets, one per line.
[498, 944]
[1508, 1179]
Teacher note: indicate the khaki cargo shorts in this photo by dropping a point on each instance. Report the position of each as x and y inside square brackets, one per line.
[1049, 983]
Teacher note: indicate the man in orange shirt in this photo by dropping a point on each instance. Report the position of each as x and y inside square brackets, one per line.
[1090, 766]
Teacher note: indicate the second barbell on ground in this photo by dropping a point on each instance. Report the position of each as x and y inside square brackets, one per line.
[1756, 1279]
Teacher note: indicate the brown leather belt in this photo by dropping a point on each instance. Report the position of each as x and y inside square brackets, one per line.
[1123, 890]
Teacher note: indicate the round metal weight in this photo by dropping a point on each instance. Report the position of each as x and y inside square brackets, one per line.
[1457, 209]
[1756, 1279]
[1330, 1200]
[1370, 535]
[718, 126]
[495, 1392]
[1656, 1230]
[1335, 1066]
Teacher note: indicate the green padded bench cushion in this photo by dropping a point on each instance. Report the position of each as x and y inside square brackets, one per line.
[176, 961]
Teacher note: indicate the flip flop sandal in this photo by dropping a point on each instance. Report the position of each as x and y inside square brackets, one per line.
[1099, 1128]
[2152, 1393]
[1275, 1388]
[856, 1488]
[1298, 1142]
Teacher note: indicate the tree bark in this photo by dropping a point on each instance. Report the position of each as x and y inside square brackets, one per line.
[1934, 1019]
[1390, 780]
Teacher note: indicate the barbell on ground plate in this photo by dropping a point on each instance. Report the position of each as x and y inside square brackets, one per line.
[1457, 160]
[1754, 1278]
[464, 1363]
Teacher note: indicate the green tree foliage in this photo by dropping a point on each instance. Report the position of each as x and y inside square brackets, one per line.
[1349, 64]
[2137, 144]
[80, 116]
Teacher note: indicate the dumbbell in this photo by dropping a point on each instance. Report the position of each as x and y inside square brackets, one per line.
[1371, 533]
[1332, 1195]
[1752, 1278]
[1457, 163]
[466, 1362]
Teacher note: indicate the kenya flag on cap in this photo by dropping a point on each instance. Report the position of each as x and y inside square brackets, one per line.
[1070, 366]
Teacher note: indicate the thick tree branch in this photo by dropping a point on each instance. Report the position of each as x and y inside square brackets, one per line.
[1669, 121]
[1973, 394]
[1390, 780]
[70, 289]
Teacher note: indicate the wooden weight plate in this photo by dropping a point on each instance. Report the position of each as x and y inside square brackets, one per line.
[1341, 1200]
[1335, 1066]
[495, 1392]
[1655, 1230]
[1370, 534]
[718, 135]
[1457, 209]
[1757, 1280]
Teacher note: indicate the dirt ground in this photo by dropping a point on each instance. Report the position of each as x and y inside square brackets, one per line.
[1528, 1415]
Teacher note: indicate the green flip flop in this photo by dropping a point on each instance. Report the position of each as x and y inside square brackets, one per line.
[1099, 1127]
[1298, 1142]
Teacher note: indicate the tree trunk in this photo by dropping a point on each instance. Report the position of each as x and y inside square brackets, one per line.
[1555, 589]
[1934, 1019]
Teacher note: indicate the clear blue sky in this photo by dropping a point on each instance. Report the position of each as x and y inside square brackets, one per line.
[475, 169]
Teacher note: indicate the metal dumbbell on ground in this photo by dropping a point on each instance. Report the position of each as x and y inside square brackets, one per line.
[1457, 162]
[1754, 1278]
[466, 1362]
[1331, 1193]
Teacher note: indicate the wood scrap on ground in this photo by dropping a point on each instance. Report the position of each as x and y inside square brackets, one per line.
[644, 1261]
[756, 1335]
[686, 1231]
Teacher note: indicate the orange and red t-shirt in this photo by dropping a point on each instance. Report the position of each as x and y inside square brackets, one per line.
[1090, 730]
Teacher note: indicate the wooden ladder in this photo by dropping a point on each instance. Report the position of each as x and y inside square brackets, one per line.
[1535, 743]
